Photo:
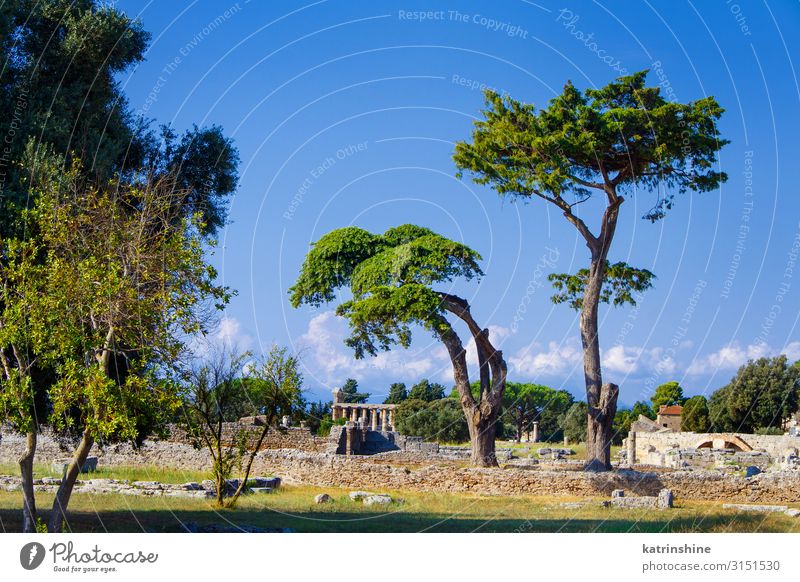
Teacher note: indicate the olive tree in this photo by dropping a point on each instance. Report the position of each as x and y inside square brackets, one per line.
[121, 282]
[393, 279]
[601, 143]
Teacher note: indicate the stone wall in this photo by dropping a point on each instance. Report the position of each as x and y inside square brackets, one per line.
[651, 447]
[367, 473]
[416, 471]
[277, 438]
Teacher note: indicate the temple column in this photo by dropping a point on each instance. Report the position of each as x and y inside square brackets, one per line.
[384, 420]
[374, 419]
[391, 419]
[536, 432]
[631, 442]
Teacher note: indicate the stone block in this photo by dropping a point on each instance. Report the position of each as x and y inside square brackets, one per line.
[323, 498]
[665, 499]
[89, 465]
[792, 512]
[617, 493]
[756, 508]
[377, 500]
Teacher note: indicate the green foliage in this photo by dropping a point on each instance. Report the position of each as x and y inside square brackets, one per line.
[326, 424]
[440, 420]
[667, 394]
[58, 86]
[769, 430]
[626, 133]
[620, 285]
[622, 425]
[213, 393]
[318, 412]
[397, 393]
[573, 422]
[642, 408]
[525, 403]
[695, 416]
[426, 391]
[390, 277]
[763, 394]
[351, 393]
[114, 283]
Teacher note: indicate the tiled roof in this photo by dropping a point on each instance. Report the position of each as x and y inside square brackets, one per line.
[675, 409]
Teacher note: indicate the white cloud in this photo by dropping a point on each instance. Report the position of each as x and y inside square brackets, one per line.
[635, 359]
[557, 359]
[792, 351]
[230, 335]
[728, 357]
[330, 361]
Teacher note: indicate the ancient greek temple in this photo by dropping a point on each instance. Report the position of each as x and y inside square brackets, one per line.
[369, 416]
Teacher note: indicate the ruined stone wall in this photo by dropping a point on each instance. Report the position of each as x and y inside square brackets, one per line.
[651, 447]
[367, 473]
[415, 471]
[285, 438]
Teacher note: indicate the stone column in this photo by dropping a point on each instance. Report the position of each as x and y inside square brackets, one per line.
[536, 432]
[384, 420]
[374, 419]
[334, 412]
[631, 442]
[391, 419]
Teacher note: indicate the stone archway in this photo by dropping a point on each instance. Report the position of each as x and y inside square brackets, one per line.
[724, 441]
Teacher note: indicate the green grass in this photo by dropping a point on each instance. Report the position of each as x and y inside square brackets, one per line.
[293, 507]
[146, 473]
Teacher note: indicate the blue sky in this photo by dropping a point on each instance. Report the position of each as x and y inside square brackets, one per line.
[346, 113]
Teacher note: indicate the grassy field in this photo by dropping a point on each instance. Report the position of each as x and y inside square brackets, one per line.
[150, 473]
[293, 507]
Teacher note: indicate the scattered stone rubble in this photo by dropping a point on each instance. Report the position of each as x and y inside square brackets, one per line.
[144, 488]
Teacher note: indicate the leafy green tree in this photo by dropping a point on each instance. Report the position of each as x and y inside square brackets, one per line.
[573, 422]
[622, 425]
[111, 281]
[525, 403]
[58, 85]
[351, 393]
[695, 416]
[393, 279]
[427, 391]
[623, 138]
[397, 393]
[718, 416]
[667, 394]
[641, 408]
[318, 412]
[440, 420]
[762, 395]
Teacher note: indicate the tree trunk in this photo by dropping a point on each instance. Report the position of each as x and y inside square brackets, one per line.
[598, 432]
[60, 503]
[28, 497]
[482, 432]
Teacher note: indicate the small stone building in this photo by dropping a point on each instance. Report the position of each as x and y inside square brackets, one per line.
[670, 417]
